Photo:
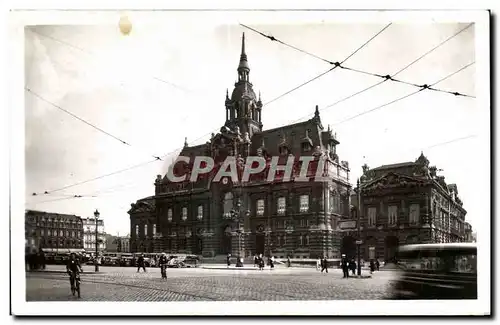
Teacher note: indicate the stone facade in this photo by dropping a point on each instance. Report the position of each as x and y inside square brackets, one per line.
[89, 241]
[52, 231]
[278, 217]
[404, 203]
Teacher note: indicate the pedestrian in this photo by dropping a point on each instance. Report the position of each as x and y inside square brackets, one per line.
[141, 263]
[372, 266]
[288, 262]
[163, 265]
[261, 262]
[377, 264]
[42, 259]
[228, 260]
[318, 264]
[271, 262]
[324, 265]
[352, 266]
[255, 260]
[345, 267]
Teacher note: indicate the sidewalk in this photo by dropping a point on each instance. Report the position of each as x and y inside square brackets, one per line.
[61, 269]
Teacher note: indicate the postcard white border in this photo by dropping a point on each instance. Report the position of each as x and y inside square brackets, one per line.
[18, 19]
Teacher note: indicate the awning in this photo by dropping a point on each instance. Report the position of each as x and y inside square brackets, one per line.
[62, 250]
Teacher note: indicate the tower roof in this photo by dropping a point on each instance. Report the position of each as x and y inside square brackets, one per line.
[243, 57]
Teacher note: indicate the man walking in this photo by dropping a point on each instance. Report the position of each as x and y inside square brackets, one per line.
[345, 267]
[162, 262]
[324, 265]
[141, 263]
[352, 266]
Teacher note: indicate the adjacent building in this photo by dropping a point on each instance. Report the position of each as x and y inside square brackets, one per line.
[52, 232]
[403, 203]
[279, 217]
[89, 234]
[119, 244]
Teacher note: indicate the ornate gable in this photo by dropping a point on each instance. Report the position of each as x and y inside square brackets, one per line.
[392, 180]
[142, 207]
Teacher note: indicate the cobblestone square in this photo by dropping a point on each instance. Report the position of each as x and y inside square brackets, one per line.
[125, 284]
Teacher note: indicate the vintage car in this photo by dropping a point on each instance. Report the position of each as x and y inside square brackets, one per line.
[437, 271]
[181, 261]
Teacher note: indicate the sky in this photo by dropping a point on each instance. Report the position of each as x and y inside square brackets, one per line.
[158, 84]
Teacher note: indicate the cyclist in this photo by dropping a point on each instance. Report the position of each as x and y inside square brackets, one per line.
[74, 269]
[162, 262]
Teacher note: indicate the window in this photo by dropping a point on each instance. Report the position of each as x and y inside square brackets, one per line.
[73, 233]
[228, 204]
[42, 232]
[414, 213]
[307, 240]
[372, 216]
[301, 241]
[200, 212]
[184, 213]
[278, 241]
[393, 214]
[169, 215]
[60, 233]
[137, 230]
[281, 205]
[260, 207]
[154, 229]
[302, 223]
[284, 240]
[304, 203]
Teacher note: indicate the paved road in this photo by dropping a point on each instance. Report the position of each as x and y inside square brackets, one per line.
[125, 284]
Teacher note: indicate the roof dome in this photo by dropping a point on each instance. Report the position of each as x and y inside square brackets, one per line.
[242, 89]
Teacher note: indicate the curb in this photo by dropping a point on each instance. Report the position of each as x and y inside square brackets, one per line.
[60, 272]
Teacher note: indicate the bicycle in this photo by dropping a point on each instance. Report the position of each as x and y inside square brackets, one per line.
[75, 283]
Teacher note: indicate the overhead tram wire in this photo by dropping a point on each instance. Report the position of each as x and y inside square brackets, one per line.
[423, 87]
[384, 77]
[82, 120]
[98, 196]
[92, 53]
[148, 162]
[335, 64]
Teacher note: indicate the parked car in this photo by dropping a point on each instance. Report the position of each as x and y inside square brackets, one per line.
[437, 271]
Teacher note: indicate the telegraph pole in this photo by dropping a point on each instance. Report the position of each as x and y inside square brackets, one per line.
[359, 227]
[96, 215]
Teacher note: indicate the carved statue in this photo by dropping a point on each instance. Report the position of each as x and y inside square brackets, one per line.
[433, 171]
[345, 163]
[365, 168]
[246, 137]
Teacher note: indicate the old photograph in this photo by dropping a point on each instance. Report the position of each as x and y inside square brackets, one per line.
[264, 157]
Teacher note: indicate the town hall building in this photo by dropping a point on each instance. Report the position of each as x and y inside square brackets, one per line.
[279, 217]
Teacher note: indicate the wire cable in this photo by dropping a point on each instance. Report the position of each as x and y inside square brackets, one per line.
[81, 119]
[422, 88]
[385, 77]
[91, 53]
[336, 64]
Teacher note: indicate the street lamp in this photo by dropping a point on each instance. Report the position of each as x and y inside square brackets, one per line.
[358, 242]
[96, 215]
[236, 215]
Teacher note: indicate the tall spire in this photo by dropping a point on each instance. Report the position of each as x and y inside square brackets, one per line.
[243, 58]
[243, 54]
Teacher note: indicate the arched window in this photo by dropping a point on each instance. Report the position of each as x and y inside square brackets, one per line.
[228, 204]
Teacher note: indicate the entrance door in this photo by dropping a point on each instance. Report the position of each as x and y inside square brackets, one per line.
[260, 244]
[348, 247]
[226, 246]
[391, 246]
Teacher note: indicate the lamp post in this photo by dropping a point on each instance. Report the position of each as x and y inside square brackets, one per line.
[359, 227]
[96, 215]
